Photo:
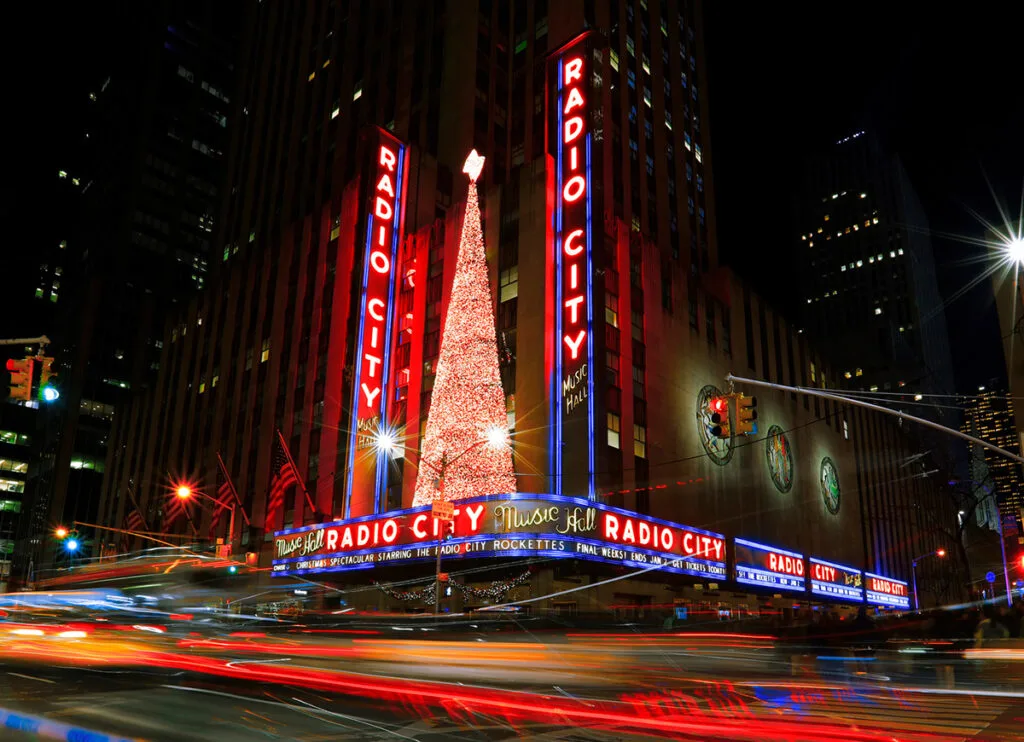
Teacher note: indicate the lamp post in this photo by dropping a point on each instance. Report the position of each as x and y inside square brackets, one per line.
[989, 492]
[386, 442]
[913, 569]
[185, 493]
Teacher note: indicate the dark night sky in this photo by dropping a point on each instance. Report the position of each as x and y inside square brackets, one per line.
[943, 91]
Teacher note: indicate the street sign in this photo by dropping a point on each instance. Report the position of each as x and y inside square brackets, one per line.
[443, 510]
[991, 577]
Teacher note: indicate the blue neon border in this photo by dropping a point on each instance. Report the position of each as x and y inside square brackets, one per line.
[508, 497]
[889, 600]
[556, 449]
[353, 418]
[555, 553]
[765, 547]
[861, 591]
[385, 396]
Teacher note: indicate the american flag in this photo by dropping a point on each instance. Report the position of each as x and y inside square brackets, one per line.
[283, 478]
[172, 511]
[226, 496]
[132, 522]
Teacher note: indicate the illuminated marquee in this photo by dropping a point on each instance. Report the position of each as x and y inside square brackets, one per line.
[832, 580]
[376, 311]
[768, 566]
[886, 591]
[573, 379]
[503, 525]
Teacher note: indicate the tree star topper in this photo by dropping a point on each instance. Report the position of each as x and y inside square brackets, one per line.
[474, 164]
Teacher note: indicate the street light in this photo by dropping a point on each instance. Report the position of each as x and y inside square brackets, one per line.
[385, 441]
[913, 568]
[183, 491]
[61, 532]
[71, 545]
[1015, 250]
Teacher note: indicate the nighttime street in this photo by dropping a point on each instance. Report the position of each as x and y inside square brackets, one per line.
[514, 369]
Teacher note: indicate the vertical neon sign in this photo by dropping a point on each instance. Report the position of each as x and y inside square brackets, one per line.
[367, 468]
[573, 379]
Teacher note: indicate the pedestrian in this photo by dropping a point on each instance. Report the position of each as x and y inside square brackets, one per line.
[990, 629]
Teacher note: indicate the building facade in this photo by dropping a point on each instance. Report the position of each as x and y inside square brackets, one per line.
[142, 165]
[867, 273]
[616, 326]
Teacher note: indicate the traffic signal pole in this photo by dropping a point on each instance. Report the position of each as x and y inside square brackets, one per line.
[895, 413]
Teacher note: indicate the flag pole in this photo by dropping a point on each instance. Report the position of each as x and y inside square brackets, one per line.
[291, 462]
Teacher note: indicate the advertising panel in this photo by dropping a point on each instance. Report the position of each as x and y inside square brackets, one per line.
[768, 566]
[831, 580]
[517, 525]
[886, 591]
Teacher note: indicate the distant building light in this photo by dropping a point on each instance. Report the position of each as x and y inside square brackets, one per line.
[358, 93]
[918, 397]
[878, 310]
[335, 112]
[863, 195]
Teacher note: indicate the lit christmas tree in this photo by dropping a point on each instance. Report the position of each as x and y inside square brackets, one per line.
[465, 449]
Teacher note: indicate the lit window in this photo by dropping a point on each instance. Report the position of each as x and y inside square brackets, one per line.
[879, 257]
[647, 97]
[630, 45]
[698, 154]
[827, 217]
[892, 253]
[640, 441]
[614, 59]
[874, 387]
[53, 296]
[871, 259]
[860, 263]
[842, 269]
[859, 372]
[62, 173]
[878, 310]
[875, 220]
[846, 430]
[265, 351]
[39, 293]
[335, 112]
[326, 63]
[508, 283]
[13, 485]
[814, 373]
[63, 244]
[611, 309]
[863, 195]
[835, 195]
[646, 64]
[668, 121]
[613, 430]
[358, 93]
[686, 141]
[847, 375]
[900, 251]
[311, 76]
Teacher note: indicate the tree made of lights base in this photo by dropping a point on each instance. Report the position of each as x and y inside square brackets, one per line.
[468, 402]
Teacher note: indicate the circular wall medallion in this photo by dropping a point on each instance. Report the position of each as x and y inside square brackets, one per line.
[780, 458]
[829, 481]
[718, 450]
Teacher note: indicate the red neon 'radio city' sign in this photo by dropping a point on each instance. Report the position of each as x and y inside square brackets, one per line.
[385, 178]
[571, 132]
[572, 190]
[889, 587]
[786, 565]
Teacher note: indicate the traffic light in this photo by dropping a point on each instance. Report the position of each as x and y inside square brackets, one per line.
[47, 389]
[720, 418]
[21, 378]
[746, 415]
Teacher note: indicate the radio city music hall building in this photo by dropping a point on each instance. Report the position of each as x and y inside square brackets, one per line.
[615, 323]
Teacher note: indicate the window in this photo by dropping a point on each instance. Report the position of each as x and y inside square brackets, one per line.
[846, 430]
[265, 351]
[698, 154]
[611, 309]
[13, 485]
[248, 359]
[613, 57]
[14, 439]
[509, 283]
[18, 467]
[39, 293]
[358, 92]
[613, 431]
[637, 320]
[639, 379]
[611, 360]
[640, 441]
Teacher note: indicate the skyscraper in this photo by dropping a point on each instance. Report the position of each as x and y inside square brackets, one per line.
[867, 277]
[989, 415]
[142, 155]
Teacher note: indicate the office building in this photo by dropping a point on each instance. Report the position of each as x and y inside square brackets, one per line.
[574, 105]
[989, 415]
[143, 149]
[867, 272]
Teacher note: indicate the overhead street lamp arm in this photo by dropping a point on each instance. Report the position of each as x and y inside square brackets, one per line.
[877, 408]
[42, 340]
